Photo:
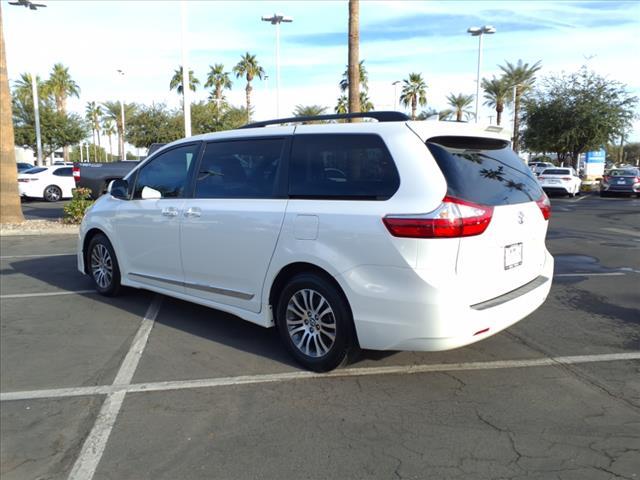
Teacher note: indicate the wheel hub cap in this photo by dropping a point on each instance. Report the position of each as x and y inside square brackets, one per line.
[101, 266]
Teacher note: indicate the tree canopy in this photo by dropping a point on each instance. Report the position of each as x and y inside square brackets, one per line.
[577, 112]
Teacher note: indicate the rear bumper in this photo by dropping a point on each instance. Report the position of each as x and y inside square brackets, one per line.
[395, 309]
[621, 188]
[555, 189]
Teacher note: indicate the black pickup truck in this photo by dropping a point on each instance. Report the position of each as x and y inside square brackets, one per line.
[97, 176]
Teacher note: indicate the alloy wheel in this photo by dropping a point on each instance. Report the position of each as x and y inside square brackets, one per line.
[101, 266]
[311, 323]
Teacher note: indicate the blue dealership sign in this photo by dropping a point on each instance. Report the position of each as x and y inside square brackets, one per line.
[597, 156]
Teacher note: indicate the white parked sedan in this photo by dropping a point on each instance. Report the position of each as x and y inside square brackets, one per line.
[560, 180]
[50, 183]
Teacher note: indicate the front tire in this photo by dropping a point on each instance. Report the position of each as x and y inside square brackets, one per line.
[315, 322]
[52, 193]
[103, 266]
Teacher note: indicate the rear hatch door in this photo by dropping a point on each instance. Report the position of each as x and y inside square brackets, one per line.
[511, 251]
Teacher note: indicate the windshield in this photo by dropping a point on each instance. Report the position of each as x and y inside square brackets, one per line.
[484, 170]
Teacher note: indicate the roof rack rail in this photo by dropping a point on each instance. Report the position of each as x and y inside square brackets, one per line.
[383, 116]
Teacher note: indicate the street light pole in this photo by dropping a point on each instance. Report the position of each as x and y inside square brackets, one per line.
[123, 157]
[479, 32]
[186, 93]
[395, 94]
[36, 112]
[276, 20]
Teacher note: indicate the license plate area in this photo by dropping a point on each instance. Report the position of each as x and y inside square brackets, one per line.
[512, 256]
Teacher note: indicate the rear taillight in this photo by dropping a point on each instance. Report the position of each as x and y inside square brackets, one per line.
[453, 218]
[76, 173]
[606, 179]
[545, 206]
[24, 180]
[636, 180]
[541, 177]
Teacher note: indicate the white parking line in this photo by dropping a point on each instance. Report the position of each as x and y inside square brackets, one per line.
[91, 453]
[303, 375]
[633, 233]
[582, 197]
[46, 294]
[8, 257]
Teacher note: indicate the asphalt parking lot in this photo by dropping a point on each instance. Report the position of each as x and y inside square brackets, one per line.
[41, 210]
[145, 386]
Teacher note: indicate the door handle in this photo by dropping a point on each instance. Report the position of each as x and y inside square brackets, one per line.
[193, 212]
[170, 212]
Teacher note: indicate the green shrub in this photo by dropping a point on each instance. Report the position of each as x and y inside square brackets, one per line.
[74, 210]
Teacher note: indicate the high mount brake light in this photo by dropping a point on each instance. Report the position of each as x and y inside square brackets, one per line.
[545, 206]
[453, 218]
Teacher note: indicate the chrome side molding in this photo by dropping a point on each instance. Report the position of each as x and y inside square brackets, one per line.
[197, 286]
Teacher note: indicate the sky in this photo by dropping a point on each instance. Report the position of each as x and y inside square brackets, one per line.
[143, 39]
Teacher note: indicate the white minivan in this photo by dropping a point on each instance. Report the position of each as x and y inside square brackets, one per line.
[388, 235]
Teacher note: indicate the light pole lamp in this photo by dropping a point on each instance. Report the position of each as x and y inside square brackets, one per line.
[395, 94]
[276, 19]
[479, 32]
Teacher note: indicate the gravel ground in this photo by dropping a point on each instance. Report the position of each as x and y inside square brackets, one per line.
[37, 227]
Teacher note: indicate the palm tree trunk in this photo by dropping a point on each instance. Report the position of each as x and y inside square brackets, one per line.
[499, 109]
[248, 94]
[10, 209]
[354, 56]
[458, 115]
[110, 150]
[414, 107]
[516, 121]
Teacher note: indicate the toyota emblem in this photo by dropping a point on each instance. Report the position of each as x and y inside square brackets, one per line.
[520, 218]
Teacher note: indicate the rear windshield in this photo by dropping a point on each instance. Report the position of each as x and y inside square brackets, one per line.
[31, 171]
[484, 170]
[623, 173]
[556, 171]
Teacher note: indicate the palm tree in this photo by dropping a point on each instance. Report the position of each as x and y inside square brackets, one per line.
[309, 110]
[112, 112]
[414, 92]
[497, 94]
[342, 106]
[354, 54]
[10, 209]
[363, 74]
[93, 112]
[365, 103]
[522, 77]
[219, 79]
[459, 106]
[248, 67]
[176, 81]
[22, 88]
[62, 86]
[109, 130]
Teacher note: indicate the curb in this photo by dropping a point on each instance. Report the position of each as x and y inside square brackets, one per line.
[51, 231]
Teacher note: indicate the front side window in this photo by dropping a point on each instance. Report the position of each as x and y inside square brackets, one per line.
[239, 169]
[168, 172]
[342, 167]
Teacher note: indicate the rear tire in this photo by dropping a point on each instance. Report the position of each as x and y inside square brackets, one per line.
[52, 193]
[102, 266]
[315, 323]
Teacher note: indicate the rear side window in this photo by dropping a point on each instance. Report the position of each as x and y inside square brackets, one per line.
[239, 169]
[168, 172]
[341, 167]
[484, 170]
[64, 172]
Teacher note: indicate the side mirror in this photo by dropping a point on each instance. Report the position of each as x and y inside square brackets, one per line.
[119, 189]
[149, 193]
